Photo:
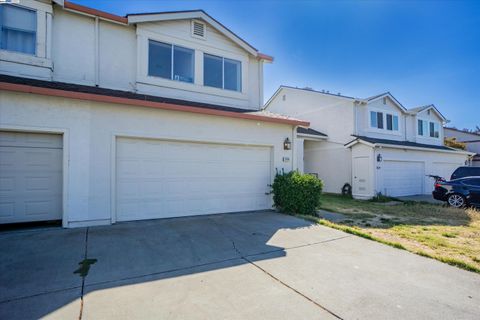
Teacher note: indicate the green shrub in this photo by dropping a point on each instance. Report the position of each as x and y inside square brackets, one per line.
[296, 193]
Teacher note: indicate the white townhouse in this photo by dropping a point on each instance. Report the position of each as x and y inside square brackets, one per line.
[375, 144]
[106, 118]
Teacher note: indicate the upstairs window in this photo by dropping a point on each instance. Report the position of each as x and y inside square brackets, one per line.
[428, 129]
[170, 62]
[376, 119]
[392, 122]
[434, 130]
[222, 73]
[18, 29]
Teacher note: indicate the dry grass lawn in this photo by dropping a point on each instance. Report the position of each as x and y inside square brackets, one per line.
[447, 234]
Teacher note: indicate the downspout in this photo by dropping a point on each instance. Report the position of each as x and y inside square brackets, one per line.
[97, 52]
[294, 148]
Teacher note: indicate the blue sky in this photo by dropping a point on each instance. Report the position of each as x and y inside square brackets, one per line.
[423, 52]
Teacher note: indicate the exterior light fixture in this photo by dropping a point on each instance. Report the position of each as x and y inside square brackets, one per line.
[379, 158]
[287, 145]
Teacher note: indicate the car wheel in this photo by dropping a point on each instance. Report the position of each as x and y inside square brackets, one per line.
[456, 200]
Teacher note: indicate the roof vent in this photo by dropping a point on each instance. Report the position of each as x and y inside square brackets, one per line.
[198, 29]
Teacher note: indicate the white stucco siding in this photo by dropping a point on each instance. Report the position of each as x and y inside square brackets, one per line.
[117, 56]
[326, 113]
[432, 162]
[90, 129]
[332, 162]
[363, 118]
[73, 50]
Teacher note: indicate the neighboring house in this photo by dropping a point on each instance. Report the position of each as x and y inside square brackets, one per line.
[374, 144]
[106, 118]
[471, 140]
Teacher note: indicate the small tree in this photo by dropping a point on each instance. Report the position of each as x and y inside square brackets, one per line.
[296, 193]
[453, 143]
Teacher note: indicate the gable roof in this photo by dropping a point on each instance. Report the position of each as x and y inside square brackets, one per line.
[389, 95]
[281, 87]
[399, 144]
[98, 94]
[417, 110]
[311, 132]
[465, 132]
[133, 18]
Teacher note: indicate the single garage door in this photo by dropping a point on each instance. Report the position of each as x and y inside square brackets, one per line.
[403, 178]
[30, 177]
[159, 179]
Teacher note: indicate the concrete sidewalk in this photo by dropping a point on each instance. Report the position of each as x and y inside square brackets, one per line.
[236, 266]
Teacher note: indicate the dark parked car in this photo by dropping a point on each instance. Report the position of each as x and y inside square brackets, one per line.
[462, 172]
[459, 192]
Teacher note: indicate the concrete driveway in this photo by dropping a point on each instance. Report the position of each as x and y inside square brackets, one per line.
[260, 265]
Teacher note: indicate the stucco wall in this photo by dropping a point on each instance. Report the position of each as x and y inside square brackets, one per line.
[332, 162]
[329, 114]
[90, 128]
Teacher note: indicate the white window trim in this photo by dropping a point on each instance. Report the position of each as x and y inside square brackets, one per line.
[384, 130]
[172, 61]
[427, 136]
[197, 86]
[223, 73]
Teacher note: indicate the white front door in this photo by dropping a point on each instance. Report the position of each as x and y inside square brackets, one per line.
[160, 179]
[30, 177]
[361, 176]
[403, 178]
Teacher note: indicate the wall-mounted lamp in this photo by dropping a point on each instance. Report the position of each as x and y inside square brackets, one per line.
[287, 145]
[379, 158]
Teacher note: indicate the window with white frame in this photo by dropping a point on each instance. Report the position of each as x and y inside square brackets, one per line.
[381, 120]
[18, 29]
[222, 73]
[428, 128]
[376, 119]
[170, 62]
[434, 130]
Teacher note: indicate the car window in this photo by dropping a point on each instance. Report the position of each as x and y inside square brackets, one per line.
[471, 182]
[466, 172]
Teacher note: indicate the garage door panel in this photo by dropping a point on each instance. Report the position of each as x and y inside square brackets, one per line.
[30, 177]
[169, 178]
[403, 178]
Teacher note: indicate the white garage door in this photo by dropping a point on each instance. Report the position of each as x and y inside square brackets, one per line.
[403, 178]
[159, 179]
[30, 177]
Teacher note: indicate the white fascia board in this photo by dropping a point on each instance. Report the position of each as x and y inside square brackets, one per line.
[395, 101]
[424, 149]
[272, 97]
[311, 137]
[430, 107]
[59, 2]
[354, 142]
[168, 16]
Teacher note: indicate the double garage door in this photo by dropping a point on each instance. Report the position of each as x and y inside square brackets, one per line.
[160, 179]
